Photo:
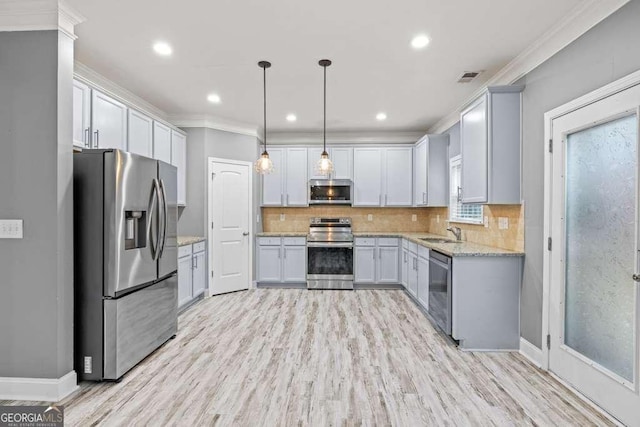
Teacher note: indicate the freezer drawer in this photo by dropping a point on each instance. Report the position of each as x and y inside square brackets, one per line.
[137, 324]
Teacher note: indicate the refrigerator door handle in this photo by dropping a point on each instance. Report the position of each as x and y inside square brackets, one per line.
[155, 197]
[163, 240]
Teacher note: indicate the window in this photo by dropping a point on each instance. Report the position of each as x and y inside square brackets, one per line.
[459, 212]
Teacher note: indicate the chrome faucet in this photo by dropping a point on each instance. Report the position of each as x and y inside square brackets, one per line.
[456, 232]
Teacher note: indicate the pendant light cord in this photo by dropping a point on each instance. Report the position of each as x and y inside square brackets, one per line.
[264, 88]
[324, 132]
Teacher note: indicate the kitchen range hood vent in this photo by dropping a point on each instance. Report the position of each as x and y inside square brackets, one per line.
[468, 76]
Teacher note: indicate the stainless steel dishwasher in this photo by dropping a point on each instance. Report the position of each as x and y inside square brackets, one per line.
[440, 297]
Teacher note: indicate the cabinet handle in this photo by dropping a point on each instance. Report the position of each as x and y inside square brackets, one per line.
[86, 136]
[405, 257]
[380, 199]
[97, 134]
[285, 253]
[282, 199]
[459, 194]
[424, 198]
[386, 199]
[287, 200]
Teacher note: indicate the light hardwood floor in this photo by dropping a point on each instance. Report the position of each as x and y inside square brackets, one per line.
[298, 357]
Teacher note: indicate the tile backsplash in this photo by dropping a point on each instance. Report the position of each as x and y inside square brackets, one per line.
[431, 220]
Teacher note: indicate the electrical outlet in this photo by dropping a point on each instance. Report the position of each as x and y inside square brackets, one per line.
[11, 229]
[486, 221]
[88, 365]
[414, 217]
[369, 217]
[438, 219]
[258, 218]
[503, 223]
[282, 217]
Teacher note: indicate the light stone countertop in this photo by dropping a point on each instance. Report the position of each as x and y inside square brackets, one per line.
[452, 249]
[189, 240]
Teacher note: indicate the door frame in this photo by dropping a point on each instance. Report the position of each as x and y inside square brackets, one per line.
[617, 86]
[211, 161]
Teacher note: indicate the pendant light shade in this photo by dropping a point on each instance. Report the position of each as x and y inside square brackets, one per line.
[264, 165]
[324, 165]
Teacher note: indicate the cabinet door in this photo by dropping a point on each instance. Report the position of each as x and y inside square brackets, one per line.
[272, 184]
[199, 273]
[297, 183]
[269, 264]
[413, 274]
[365, 264]
[81, 115]
[474, 151]
[140, 134]
[109, 122]
[179, 160]
[185, 280]
[367, 176]
[420, 173]
[388, 264]
[398, 176]
[342, 158]
[294, 264]
[161, 142]
[423, 282]
[313, 155]
[404, 268]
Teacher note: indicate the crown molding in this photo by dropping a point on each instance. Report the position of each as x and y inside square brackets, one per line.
[580, 20]
[103, 84]
[212, 122]
[352, 137]
[38, 15]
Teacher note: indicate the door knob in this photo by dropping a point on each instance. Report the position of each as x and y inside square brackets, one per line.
[636, 277]
[245, 233]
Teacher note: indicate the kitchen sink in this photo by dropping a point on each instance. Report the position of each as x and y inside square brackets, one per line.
[437, 240]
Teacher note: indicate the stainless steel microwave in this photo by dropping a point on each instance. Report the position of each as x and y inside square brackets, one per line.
[330, 192]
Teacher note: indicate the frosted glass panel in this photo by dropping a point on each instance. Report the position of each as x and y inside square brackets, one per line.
[600, 244]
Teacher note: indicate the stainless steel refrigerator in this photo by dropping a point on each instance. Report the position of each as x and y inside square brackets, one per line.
[125, 244]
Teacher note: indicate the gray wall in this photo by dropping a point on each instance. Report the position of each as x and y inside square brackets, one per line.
[606, 53]
[203, 143]
[36, 273]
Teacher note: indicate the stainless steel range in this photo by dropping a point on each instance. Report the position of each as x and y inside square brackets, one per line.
[330, 254]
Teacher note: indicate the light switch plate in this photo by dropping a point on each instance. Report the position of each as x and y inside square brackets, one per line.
[282, 217]
[370, 217]
[503, 223]
[438, 219]
[414, 217]
[11, 229]
[486, 221]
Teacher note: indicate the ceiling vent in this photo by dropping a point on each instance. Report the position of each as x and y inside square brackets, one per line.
[469, 76]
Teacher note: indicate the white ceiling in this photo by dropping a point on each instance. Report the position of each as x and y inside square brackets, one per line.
[217, 44]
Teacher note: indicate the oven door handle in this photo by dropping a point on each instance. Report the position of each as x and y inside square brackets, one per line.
[329, 245]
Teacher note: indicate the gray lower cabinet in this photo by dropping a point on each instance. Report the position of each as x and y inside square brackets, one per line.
[377, 261]
[281, 260]
[415, 271]
[192, 272]
[423, 281]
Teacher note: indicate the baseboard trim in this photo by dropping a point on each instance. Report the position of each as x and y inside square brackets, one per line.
[531, 352]
[38, 389]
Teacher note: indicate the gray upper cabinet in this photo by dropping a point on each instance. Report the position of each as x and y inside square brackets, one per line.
[342, 158]
[431, 173]
[367, 176]
[490, 143]
[109, 122]
[288, 184]
[398, 179]
[161, 142]
[140, 134]
[81, 115]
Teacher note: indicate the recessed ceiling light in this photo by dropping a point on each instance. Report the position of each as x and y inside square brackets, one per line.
[291, 117]
[381, 116]
[163, 49]
[420, 41]
[214, 98]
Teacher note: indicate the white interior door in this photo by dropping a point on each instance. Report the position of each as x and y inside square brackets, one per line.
[230, 214]
[593, 305]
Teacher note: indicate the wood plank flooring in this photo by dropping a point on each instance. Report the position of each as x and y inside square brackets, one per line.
[298, 357]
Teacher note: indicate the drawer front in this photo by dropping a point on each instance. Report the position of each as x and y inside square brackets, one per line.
[269, 241]
[413, 247]
[199, 247]
[185, 251]
[365, 241]
[295, 241]
[423, 252]
[387, 241]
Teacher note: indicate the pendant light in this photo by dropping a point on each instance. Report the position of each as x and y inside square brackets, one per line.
[324, 165]
[264, 165]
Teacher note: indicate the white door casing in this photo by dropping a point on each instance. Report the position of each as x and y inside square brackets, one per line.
[616, 394]
[230, 239]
